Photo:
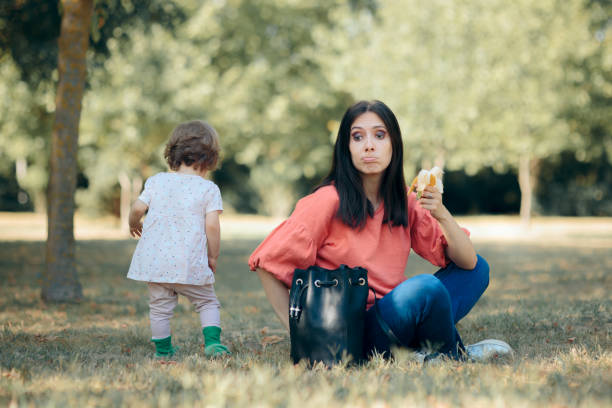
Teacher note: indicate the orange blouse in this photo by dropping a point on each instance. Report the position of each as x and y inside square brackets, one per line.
[313, 235]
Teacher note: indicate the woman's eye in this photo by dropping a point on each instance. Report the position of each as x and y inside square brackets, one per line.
[380, 135]
[356, 136]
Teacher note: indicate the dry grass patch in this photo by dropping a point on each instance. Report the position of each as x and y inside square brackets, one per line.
[550, 302]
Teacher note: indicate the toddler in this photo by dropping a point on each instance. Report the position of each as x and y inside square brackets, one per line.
[179, 240]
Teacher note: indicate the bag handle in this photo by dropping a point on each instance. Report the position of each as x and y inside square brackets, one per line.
[295, 303]
[383, 325]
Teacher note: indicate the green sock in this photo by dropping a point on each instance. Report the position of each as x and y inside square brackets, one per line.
[163, 347]
[212, 342]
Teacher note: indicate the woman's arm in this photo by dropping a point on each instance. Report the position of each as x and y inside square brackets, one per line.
[277, 294]
[137, 211]
[213, 238]
[460, 249]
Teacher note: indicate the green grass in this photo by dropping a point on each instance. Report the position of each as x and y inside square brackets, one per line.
[552, 304]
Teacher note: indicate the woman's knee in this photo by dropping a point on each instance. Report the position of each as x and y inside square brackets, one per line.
[413, 300]
[481, 272]
[426, 287]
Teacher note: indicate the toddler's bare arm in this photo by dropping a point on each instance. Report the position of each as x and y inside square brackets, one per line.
[136, 213]
[213, 236]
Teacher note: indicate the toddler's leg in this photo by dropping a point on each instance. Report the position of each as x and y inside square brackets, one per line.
[206, 304]
[162, 301]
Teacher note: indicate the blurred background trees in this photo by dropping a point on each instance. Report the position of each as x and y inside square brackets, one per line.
[20, 21]
[486, 88]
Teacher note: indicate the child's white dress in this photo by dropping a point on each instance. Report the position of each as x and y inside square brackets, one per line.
[172, 248]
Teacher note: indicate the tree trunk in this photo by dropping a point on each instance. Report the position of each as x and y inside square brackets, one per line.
[124, 201]
[130, 190]
[39, 199]
[527, 179]
[60, 281]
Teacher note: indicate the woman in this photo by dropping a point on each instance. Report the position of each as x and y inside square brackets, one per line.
[362, 216]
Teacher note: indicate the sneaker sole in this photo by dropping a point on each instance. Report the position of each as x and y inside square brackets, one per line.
[499, 343]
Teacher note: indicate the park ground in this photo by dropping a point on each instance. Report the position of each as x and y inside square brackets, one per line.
[550, 297]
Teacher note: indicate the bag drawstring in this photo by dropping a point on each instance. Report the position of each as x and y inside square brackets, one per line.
[295, 303]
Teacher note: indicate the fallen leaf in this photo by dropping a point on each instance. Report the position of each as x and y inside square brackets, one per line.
[11, 374]
[270, 340]
[251, 309]
[167, 362]
[571, 339]
[264, 331]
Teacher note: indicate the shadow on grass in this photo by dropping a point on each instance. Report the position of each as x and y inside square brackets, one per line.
[541, 299]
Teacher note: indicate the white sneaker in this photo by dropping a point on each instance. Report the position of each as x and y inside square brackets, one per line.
[430, 359]
[487, 350]
[420, 356]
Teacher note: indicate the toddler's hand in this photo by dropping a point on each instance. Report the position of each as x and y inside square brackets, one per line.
[213, 264]
[136, 230]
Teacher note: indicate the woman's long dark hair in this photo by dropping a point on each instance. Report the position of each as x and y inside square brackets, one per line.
[354, 205]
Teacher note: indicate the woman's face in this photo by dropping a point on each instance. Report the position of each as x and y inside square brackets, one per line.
[370, 144]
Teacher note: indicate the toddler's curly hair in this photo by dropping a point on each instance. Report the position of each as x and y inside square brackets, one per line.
[193, 143]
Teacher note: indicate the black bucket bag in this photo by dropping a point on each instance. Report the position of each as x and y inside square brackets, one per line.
[326, 314]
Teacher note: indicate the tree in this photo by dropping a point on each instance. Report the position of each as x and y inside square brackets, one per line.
[533, 89]
[60, 282]
[579, 181]
[36, 22]
[129, 116]
[473, 83]
[26, 118]
[249, 69]
[590, 74]
[271, 100]
[29, 30]
[28, 56]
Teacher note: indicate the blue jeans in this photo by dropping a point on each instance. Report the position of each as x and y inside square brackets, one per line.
[422, 311]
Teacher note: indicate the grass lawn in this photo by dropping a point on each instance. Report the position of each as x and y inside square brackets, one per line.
[550, 297]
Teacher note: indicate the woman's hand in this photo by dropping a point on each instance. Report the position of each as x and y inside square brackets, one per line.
[460, 249]
[432, 200]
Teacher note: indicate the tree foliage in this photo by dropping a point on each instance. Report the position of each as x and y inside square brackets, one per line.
[249, 70]
[29, 31]
[476, 85]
